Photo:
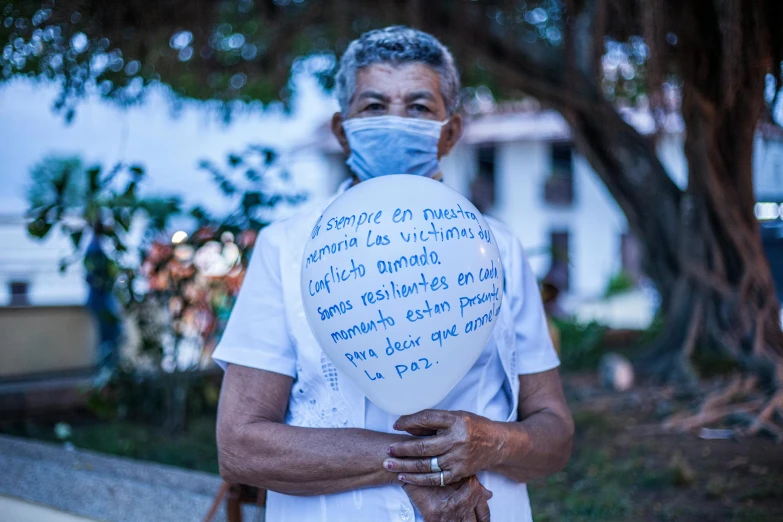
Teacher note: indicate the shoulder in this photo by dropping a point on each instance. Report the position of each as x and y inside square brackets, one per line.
[511, 251]
[499, 229]
[295, 228]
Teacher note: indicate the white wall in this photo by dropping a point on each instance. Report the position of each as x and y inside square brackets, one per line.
[593, 220]
[598, 225]
[520, 171]
[768, 168]
[459, 168]
[36, 262]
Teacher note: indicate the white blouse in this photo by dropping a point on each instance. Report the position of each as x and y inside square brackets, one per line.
[267, 330]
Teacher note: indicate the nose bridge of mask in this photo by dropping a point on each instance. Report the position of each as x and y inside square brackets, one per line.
[430, 128]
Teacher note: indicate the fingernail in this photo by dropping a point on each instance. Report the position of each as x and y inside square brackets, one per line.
[402, 478]
[387, 464]
[390, 451]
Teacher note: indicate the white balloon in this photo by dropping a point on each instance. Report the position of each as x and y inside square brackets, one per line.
[401, 284]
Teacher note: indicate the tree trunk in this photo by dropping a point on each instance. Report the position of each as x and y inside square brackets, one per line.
[702, 246]
[724, 272]
[725, 279]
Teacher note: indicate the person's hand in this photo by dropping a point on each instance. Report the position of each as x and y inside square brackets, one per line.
[464, 444]
[463, 501]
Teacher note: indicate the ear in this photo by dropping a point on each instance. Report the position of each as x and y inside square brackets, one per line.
[339, 132]
[450, 135]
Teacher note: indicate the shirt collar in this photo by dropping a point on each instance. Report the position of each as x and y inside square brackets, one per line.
[345, 185]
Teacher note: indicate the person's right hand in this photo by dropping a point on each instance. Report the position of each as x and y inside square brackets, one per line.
[463, 501]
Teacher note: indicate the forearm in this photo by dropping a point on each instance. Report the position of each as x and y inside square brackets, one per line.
[534, 447]
[305, 461]
[466, 443]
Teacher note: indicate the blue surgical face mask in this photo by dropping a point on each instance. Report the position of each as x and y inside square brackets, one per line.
[384, 145]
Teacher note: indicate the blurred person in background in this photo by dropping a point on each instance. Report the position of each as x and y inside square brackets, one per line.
[290, 424]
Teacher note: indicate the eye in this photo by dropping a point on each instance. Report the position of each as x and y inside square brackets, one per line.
[374, 107]
[420, 108]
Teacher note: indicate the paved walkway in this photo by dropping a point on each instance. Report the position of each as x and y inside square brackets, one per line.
[15, 510]
[86, 484]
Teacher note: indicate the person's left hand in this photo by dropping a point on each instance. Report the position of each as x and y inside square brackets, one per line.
[463, 442]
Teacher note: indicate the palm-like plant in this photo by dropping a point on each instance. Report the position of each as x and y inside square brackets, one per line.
[95, 209]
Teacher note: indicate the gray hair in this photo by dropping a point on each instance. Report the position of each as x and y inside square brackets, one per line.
[397, 45]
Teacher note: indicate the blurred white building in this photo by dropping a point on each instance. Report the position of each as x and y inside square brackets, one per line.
[30, 269]
[517, 165]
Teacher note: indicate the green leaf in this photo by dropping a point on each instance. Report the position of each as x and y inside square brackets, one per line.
[226, 187]
[60, 182]
[39, 228]
[271, 201]
[269, 156]
[76, 237]
[111, 233]
[123, 218]
[199, 213]
[94, 179]
[40, 213]
[159, 210]
[251, 200]
[295, 199]
[129, 196]
[138, 171]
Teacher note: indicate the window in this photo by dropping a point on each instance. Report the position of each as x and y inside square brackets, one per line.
[631, 256]
[559, 187]
[558, 274]
[773, 248]
[19, 293]
[482, 190]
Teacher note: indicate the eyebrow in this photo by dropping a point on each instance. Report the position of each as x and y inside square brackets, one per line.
[374, 95]
[420, 94]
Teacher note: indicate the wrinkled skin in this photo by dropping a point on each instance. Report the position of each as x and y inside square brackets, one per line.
[463, 501]
[463, 442]
[408, 91]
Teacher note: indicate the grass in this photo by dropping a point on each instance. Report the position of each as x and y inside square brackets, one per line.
[193, 449]
[581, 344]
[594, 486]
[614, 475]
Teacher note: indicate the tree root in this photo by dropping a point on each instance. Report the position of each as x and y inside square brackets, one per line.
[740, 402]
[764, 421]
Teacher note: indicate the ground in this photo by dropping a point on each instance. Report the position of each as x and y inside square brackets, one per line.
[624, 466]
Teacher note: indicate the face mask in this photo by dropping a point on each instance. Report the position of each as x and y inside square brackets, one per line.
[386, 145]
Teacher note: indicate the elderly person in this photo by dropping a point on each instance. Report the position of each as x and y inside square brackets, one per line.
[290, 423]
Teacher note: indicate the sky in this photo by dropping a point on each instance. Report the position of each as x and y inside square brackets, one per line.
[168, 143]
